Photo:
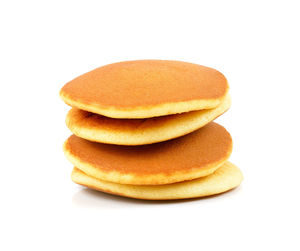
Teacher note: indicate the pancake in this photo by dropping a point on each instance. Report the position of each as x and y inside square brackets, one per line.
[146, 88]
[227, 177]
[192, 156]
[98, 128]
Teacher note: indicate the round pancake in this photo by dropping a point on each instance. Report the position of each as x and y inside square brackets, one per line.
[227, 177]
[146, 88]
[192, 156]
[98, 128]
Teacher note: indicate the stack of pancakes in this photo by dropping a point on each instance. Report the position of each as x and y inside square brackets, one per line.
[143, 129]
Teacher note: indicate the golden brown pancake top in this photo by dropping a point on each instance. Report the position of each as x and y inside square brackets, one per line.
[131, 84]
[206, 146]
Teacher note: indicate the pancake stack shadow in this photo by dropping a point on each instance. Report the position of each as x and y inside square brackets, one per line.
[143, 129]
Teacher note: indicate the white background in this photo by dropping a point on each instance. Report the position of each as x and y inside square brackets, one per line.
[44, 44]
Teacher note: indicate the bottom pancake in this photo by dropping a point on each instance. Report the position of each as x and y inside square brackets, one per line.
[225, 178]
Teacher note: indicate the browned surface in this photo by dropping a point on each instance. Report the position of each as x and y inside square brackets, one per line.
[145, 83]
[90, 120]
[206, 146]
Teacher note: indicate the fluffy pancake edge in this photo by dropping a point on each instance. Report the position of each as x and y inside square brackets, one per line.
[227, 177]
[153, 179]
[144, 111]
[177, 126]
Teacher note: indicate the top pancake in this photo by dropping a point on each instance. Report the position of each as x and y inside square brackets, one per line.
[146, 88]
